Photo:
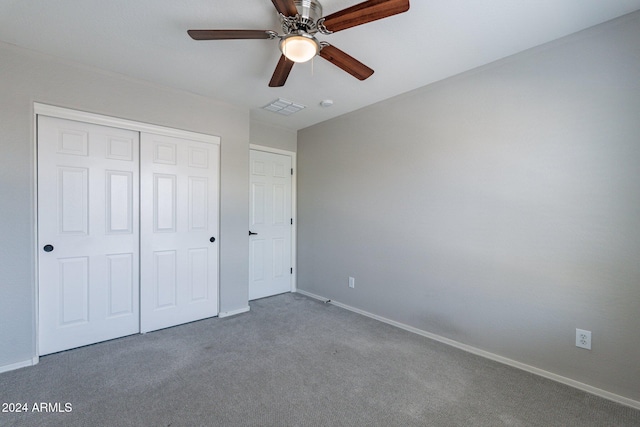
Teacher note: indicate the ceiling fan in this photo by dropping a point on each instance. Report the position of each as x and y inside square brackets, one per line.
[301, 20]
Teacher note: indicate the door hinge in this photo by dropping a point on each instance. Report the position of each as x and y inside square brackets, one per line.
[291, 221]
[291, 171]
[292, 270]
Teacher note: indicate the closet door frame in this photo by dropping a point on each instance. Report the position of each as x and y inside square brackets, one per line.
[40, 109]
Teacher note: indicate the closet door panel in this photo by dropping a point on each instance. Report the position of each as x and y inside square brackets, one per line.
[88, 235]
[179, 230]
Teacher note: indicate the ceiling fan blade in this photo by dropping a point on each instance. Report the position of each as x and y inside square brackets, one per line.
[228, 34]
[285, 7]
[364, 12]
[282, 72]
[348, 63]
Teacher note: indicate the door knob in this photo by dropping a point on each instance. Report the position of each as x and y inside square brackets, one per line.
[251, 233]
[47, 248]
[213, 239]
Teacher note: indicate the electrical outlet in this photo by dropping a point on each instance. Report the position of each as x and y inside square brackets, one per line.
[352, 282]
[583, 339]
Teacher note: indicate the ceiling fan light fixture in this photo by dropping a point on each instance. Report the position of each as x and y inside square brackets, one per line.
[299, 47]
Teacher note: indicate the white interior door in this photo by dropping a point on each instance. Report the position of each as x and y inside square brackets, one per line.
[87, 233]
[179, 221]
[271, 220]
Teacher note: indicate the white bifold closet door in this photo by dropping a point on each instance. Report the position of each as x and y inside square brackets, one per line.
[87, 233]
[179, 231]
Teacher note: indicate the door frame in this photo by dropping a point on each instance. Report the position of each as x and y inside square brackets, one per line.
[40, 109]
[294, 212]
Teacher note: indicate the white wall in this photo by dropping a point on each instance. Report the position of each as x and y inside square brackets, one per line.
[27, 77]
[273, 136]
[499, 208]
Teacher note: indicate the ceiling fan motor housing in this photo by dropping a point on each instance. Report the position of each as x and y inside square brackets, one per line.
[310, 12]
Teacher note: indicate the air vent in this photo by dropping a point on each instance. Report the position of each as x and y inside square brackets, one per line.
[284, 107]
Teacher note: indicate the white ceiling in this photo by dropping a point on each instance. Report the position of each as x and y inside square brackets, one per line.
[435, 39]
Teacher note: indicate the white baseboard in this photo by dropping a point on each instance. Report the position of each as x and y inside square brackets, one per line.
[23, 364]
[314, 296]
[514, 363]
[233, 312]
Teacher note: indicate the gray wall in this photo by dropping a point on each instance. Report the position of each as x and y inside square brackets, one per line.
[273, 136]
[499, 208]
[26, 77]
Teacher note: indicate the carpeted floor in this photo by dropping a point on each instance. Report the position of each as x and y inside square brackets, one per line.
[291, 361]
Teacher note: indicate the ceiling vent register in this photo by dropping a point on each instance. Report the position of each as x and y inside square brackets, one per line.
[284, 107]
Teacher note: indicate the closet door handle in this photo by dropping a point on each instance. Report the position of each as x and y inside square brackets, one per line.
[251, 233]
[47, 248]
[212, 239]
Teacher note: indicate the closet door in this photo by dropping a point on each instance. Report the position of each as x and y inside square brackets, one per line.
[88, 233]
[179, 231]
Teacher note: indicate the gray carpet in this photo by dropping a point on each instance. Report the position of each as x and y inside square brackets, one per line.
[292, 361]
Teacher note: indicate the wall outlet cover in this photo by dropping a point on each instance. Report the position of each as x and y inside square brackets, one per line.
[583, 339]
